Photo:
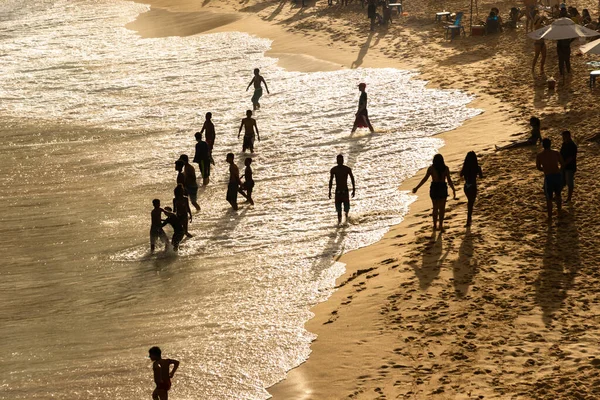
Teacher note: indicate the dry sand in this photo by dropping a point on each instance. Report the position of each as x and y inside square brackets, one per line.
[505, 310]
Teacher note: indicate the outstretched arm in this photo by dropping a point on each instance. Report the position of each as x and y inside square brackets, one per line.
[353, 186]
[250, 84]
[330, 183]
[422, 181]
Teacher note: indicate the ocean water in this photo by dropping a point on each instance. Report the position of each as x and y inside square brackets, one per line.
[92, 118]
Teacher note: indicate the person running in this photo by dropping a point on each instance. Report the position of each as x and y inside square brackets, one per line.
[162, 375]
[341, 173]
[550, 161]
[180, 175]
[248, 184]
[249, 125]
[470, 171]
[362, 115]
[438, 191]
[208, 128]
[181, 206]
[156, 229]
[202, 158]
[178, 229]
[536, 136]
[568, 151]
[191, 186]
[257, 80]
[234, 181]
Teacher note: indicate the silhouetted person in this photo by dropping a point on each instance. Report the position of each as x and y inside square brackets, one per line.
[341, 173]
[202, 158]
[257, 80]
[372, 13]
[180, 175]
[162, 375]
[181, 206]
[568, 151]
[208, 128]
[470, 171]
[248, 184]
[438, 192]
[536, 136]
[191, 186]
[234, 181]
[250, 127]
[549, 161]
[563, 49]
[362, 115]
[178, 230]
[156, 229]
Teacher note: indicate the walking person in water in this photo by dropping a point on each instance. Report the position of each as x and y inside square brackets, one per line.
[470, 171]
[156, 229]
[234, 181]
[248, 184]
[208, 128]
[191, 186]
[162, 373]
[181, 205]
[362, 115]
[257, 81]
[202, 157]
[341, 173]
[175, 222]
[438, 191]
[550, 161]
[568, 151]
[249, 125]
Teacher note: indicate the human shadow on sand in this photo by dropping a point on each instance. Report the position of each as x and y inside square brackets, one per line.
[431, 262]
[464, 268]
[560, 266]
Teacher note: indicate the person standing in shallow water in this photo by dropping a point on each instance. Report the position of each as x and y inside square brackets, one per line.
[234, 181]
[249, 125]
[162, 375]
[438, 192]
[257, 80]
[156, 229]
[470, 171]
[191, 186]
[550, 161]
[202, 158]
[362, 115]
[248, 184]
[208, 128]
[341, 173]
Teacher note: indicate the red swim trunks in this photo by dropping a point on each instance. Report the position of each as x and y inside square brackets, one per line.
[164, 385]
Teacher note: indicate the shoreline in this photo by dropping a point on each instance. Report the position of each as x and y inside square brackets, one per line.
[331, 368]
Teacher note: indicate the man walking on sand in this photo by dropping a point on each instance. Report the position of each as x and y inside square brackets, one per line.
[258, 80]
[550, 161]
[568, 151]
[341, 173]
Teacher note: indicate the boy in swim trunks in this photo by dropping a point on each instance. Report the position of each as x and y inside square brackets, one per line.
[341, 173]
[550, 162]
[249, 125]
[258, 80]
[162, 375]
[156, 229]
[248, 184]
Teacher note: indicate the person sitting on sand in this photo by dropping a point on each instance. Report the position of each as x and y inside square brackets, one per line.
[550, 162]
[492, 25]
[249, 125]
[162, 375]
[156, 229]
[208, 129]
[362, 115]
[470, 171]
[202, 157]
[341, 173]
[438, 191]
[536, 136]
[181, 205]
[178, 230]
[248, 185]
[497, 12]
[257, 80]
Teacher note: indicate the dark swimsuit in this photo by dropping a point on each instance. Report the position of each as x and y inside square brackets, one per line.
[438, 190]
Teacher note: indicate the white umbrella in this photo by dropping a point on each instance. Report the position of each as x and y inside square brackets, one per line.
[591, 47]
[562, 28]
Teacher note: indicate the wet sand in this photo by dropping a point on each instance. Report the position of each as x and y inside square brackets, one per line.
[507, 309]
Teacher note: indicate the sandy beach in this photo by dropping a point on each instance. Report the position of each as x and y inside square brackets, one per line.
[507, 309]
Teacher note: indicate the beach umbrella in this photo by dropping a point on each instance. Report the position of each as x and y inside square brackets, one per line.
[591, 47]
[562, 28]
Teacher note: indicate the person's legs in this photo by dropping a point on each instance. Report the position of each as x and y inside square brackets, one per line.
[346, 209]
[441, 213]
[470, 204]
[561, 62]
[568, 60]
[193, 196]
[434, 213]
[543, 61]
[369, 124]
[338, 209]
[164, 238]
[570, 183]
[153, 236]
[155, 394]
[538, 50]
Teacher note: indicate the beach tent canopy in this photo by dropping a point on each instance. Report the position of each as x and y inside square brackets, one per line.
[592, 47]
[562, 28]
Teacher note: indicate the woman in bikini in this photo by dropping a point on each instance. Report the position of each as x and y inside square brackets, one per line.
[470, 171]
[438, 191]
[539, 45]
